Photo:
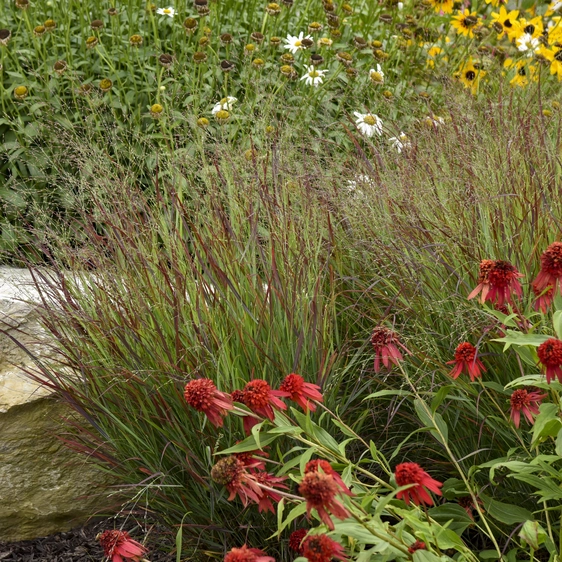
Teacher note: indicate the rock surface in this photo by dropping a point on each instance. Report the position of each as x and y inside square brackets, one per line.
[44, 486]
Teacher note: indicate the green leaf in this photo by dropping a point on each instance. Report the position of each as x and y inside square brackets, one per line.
[518, 338]
[532, 534]
[435, 423]
[559, 443]
[293, 514]
[557, 321]
[505, 512]
[440, 396]
[453, 514]
[425, 556]
[547, 423]
[249, 444]
[381, 393]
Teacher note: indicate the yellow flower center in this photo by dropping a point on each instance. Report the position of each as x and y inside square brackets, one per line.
[314, 74]
[369, 119]
[298, 43]
[167, 11]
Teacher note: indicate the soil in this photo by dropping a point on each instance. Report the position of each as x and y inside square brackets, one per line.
[80, 544]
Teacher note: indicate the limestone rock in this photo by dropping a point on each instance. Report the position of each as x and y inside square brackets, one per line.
[44, 486]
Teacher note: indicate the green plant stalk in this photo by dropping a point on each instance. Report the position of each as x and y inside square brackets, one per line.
[454, 461]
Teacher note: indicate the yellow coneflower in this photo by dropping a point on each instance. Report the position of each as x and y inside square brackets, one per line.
[464, 22]
[91, 42]
[136, 40]
[207, 31]
[275, 41]
[60, 67]
[203, 122]
[5, 36]
[470, 76]
[375, 44]
[445, 6]
[50, 25]
[21, 92]
[269, 130]
[222, 116]
[506, 23]
[105, 85]
[347, 9]
[534, 27]
[554, 57]
[249, 49]
[190, 25]
[315, 27]
[199, 57]
[525, 72]
[351, 72]
[204, 41]
[258, 63]
[388, 94]
[156, 110]
[39, 30]
[273, 9]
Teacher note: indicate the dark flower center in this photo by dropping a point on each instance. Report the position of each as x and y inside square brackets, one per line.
[470, 75]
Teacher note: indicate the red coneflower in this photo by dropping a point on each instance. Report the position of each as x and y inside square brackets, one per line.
[321, 548]
[245, 554]
[252, 459]
[326, 468]
[544, 297]
[385, 342]
[248, 485]
[237, 396]
[550, 355]
[418, 545]
[412, 473]
[202, 394]
[497, 280]
[466, 359]
[266, 481]
[301, 392]
[523, 401]
[319, 490]
[295, 540]
[119, 546]
[551, 268]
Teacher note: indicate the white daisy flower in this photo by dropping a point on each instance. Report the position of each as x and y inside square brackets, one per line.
[294, 43]
[225, 104]
[555, 6]
[400, 142]
[166, 11]
[313, 76]
[377, 76]
[368, 123]
[527, 42]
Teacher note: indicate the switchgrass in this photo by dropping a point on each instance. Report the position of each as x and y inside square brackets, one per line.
[235, 268]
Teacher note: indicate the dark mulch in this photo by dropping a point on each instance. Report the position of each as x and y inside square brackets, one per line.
[80, 544]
